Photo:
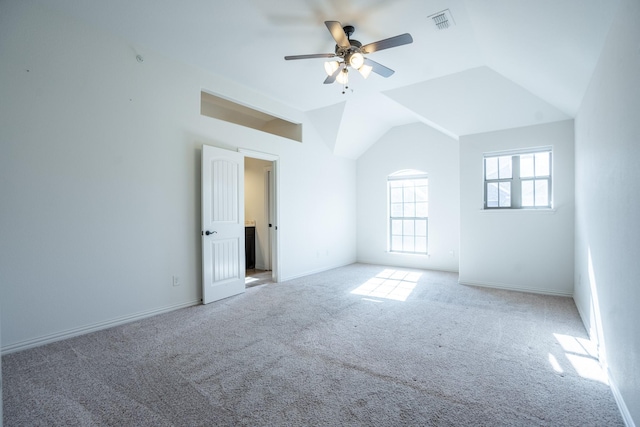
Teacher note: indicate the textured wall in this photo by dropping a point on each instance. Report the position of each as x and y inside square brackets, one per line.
[608, 206]
[528, 250]
[414, 146]
[100, 179]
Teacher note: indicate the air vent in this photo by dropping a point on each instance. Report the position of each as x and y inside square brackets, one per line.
[443, 20]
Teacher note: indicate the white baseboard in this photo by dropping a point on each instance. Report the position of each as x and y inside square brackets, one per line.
[406, 266]
[624, 411]
[622, 407]
[514, 288]
[308, 273]
[584, 319]
[59, 336]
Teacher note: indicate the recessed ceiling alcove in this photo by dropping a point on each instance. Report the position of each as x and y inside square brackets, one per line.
[232, 112]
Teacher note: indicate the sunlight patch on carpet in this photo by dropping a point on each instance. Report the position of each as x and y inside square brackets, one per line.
[554, 364]
[583, 356]
[389, 284]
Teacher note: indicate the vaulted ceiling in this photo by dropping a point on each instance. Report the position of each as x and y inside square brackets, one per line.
[502, 64]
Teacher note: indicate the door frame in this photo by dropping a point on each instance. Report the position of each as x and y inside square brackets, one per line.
[274, 235]
[268, 207]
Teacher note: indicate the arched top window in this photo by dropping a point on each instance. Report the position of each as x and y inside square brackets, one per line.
[408, 191]
[407, 173]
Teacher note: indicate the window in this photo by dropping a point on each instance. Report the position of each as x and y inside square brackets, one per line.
[408, 211]
[518, 180]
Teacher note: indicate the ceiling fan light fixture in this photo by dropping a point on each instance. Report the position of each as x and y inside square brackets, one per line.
[365, 70]
[356, 60]
[330, 67]
[343, 77]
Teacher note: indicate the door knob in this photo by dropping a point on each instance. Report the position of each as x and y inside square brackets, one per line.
[209, 232]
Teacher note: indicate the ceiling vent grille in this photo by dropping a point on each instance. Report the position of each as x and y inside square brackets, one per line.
[443, 20]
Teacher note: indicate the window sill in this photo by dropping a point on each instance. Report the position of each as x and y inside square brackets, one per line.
[408, 254]
[543, 211]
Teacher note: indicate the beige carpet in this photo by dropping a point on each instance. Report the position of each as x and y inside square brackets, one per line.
[359, 345]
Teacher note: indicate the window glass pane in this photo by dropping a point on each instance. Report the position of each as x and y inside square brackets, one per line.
[408, 228]
[542, 192]
[396, 227]
[396, 195]
[408, 198]
[542, 164]
[492, 194]
[533, 180]
[407, 244]
[421, 210]
[421, 194]
[527, 193]
[409, 194]
[396, 243]
[526, 166]
[491, 168]
[504, 189]
[409, 209]
[504, 164]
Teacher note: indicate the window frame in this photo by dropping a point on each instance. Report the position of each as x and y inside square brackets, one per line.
[405, 175]
[516, 180]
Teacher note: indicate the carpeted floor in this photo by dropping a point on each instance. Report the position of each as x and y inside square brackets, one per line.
[255, 277]
[360, 345]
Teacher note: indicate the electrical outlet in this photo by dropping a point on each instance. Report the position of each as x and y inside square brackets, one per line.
[176, 281]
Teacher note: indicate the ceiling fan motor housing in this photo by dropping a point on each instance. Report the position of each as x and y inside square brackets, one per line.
[346, 52]
[349, 29]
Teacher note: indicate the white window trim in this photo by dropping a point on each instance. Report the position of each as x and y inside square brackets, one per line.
[397, 176]
[518, 208]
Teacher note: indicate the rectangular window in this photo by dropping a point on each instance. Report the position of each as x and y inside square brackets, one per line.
[408, 213]
[518, 180]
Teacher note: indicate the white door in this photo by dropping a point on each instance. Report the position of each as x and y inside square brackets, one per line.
[223, 263]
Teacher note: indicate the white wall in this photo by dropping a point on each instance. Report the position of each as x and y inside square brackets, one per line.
[1, 376]
[414, 146]
[607, 257]
[255, 207]
[100, 179]
[527, 250]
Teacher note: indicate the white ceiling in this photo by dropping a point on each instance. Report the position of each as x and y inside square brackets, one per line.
[505, 63]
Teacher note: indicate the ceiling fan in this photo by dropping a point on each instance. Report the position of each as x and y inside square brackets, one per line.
[351, 53]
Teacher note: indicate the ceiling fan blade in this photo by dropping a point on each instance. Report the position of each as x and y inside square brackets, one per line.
[337, 32]
[378, 68]
[387, 43]
[313, 55]
[332, 77]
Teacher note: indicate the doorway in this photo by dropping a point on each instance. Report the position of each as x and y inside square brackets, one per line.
[260, 219]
